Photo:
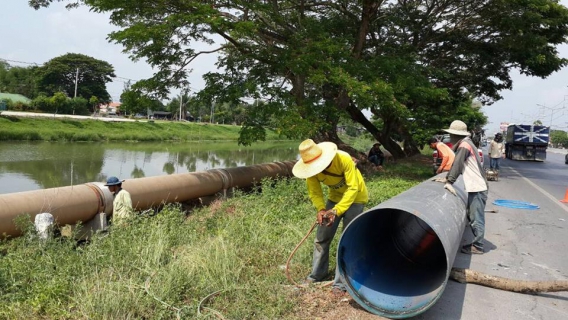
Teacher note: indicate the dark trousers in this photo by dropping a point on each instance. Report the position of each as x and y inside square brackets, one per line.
[377, 159]
[476, 216]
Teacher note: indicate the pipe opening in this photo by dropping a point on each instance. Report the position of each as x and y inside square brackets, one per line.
[393, 262]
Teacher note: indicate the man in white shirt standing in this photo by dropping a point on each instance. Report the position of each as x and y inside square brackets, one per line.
[496, 151]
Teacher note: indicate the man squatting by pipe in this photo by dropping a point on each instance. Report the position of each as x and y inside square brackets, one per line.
[323, 163]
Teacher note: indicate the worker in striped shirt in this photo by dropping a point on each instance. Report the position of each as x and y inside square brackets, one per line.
[468, 164]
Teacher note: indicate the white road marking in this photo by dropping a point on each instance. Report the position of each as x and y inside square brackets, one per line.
[556, 201]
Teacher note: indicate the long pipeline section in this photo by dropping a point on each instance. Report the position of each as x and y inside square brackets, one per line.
[396, 258]
[72, 204]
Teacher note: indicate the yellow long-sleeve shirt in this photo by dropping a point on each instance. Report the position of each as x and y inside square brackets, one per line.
[345, 182]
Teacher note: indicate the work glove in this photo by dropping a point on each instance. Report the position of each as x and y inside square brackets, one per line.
[442, 180]
[448, 186]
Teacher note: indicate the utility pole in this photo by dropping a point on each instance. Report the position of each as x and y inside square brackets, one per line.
[76, 80]
[180, 103]
[212, 110]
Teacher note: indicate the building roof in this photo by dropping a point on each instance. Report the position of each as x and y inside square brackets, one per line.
[110, 105]
[14, 97]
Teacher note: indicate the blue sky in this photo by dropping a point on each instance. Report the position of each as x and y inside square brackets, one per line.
[38, 36]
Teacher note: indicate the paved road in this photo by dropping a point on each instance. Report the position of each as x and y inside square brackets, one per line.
[521, 244]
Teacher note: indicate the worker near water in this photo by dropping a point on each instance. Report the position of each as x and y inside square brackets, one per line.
[496, 151]
[122, 203]
[320, 164]
[444, 152]
[468, 164]
[376, 155]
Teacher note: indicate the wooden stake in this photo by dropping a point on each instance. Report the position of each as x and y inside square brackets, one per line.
[520, 286]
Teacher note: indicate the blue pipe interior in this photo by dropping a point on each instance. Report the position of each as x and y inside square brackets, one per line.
[393, 262]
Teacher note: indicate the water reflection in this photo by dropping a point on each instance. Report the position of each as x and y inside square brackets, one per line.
[34, 165]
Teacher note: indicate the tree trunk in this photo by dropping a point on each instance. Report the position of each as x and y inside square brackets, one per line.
[387, 142]
[359, 158]
[520, 286]
[410, 147]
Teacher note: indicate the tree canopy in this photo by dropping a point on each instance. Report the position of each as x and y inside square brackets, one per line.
[413, 65]
[59, 75]
[20, 80]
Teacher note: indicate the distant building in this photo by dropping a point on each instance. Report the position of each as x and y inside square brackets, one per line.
[111, 108]
[163, 115]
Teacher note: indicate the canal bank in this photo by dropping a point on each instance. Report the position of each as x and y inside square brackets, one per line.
[17, 128]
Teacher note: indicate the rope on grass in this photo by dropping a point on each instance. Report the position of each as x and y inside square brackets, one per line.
[292, 255]
[147, 289]
[215, 312]
[515, 204]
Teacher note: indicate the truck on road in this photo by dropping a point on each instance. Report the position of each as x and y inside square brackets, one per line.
[526, 142]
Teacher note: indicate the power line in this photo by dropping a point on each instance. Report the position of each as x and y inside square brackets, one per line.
[16, 61]
[40, 64]
[118, 78]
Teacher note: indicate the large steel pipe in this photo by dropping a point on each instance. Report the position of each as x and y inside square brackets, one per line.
[72, 204]
[67, 205]
[396, 257]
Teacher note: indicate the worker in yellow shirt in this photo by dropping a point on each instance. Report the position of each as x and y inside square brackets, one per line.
[323, 163]
[122, 203]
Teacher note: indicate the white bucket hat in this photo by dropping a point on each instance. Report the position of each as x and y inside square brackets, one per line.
[314, 158]
[458, 128]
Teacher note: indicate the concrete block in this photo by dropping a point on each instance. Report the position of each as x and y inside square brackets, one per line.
[87, 229]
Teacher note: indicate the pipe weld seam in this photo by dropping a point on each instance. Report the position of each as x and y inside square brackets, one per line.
[97, 191]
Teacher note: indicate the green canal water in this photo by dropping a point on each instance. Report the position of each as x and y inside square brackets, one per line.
[26, 166]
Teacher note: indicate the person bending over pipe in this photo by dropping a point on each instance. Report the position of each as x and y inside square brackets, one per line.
[467, 162]
[444, 152]
[122, 203]
[323, 163]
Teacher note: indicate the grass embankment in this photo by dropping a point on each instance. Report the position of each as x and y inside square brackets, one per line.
[12, 128]
[165, 266]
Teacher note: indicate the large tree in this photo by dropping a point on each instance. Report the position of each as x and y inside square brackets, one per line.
[62, 73]
[135, 101]
[415, 65]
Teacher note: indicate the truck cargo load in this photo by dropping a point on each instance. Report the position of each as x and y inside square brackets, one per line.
[526, 142]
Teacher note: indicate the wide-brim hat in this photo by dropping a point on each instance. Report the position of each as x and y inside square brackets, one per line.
[113, 181]
[458, 128]
[314, 158]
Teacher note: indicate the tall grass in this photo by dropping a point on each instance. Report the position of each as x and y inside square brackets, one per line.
[165, 266]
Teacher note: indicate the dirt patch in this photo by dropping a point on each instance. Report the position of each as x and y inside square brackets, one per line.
[321, 303]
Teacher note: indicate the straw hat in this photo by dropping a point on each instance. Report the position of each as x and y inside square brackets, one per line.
[458, 128]
[314, 158]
